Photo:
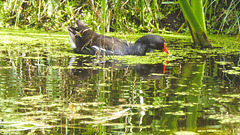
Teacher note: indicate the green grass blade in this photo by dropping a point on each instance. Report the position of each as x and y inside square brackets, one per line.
[190, 15]
[197, 7]
[229, 11]
[142, 11]
[104, 10]
[155, 14]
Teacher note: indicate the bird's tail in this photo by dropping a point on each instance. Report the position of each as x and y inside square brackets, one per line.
[81, 26]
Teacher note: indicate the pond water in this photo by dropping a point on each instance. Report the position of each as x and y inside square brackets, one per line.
[47, 89]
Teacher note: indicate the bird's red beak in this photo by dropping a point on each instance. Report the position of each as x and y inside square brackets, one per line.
[165, 49]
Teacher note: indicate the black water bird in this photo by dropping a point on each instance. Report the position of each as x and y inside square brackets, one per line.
[85, 41]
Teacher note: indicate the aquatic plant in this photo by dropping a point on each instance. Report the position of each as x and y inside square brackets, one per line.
[223, 16]
[102, 15]
[43, 90]
[117, 15]
[50, 14]
[195, 18]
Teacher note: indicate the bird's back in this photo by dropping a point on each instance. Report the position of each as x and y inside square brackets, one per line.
[90, 38]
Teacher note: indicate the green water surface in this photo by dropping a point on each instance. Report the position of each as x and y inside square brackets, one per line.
[47, 89]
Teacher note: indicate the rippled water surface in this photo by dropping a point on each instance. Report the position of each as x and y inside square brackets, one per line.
[47, 89]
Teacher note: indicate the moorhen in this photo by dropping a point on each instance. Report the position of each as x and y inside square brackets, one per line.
[85, 41]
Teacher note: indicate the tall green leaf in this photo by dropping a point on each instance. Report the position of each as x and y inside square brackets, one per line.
[197, 6]
[104, 10]
[195, 17]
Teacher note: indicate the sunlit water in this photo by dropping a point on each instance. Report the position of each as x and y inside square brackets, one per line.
[45, 89]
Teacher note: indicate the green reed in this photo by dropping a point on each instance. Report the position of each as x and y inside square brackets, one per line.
[232, 11]
[142, 11]
[102, 14]
[155, 14]
[47, 14]
[194, 16]
[104, 10]
[116, 15]
[223, 16]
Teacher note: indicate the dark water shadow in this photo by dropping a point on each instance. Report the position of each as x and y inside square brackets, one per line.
[147, 71]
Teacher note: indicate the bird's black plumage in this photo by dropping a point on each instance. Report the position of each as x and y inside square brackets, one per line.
[85, 41]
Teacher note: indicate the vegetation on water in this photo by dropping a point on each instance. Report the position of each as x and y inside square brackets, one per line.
[44, 91]
[45, 88]
[58, 45]
[131, 15]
